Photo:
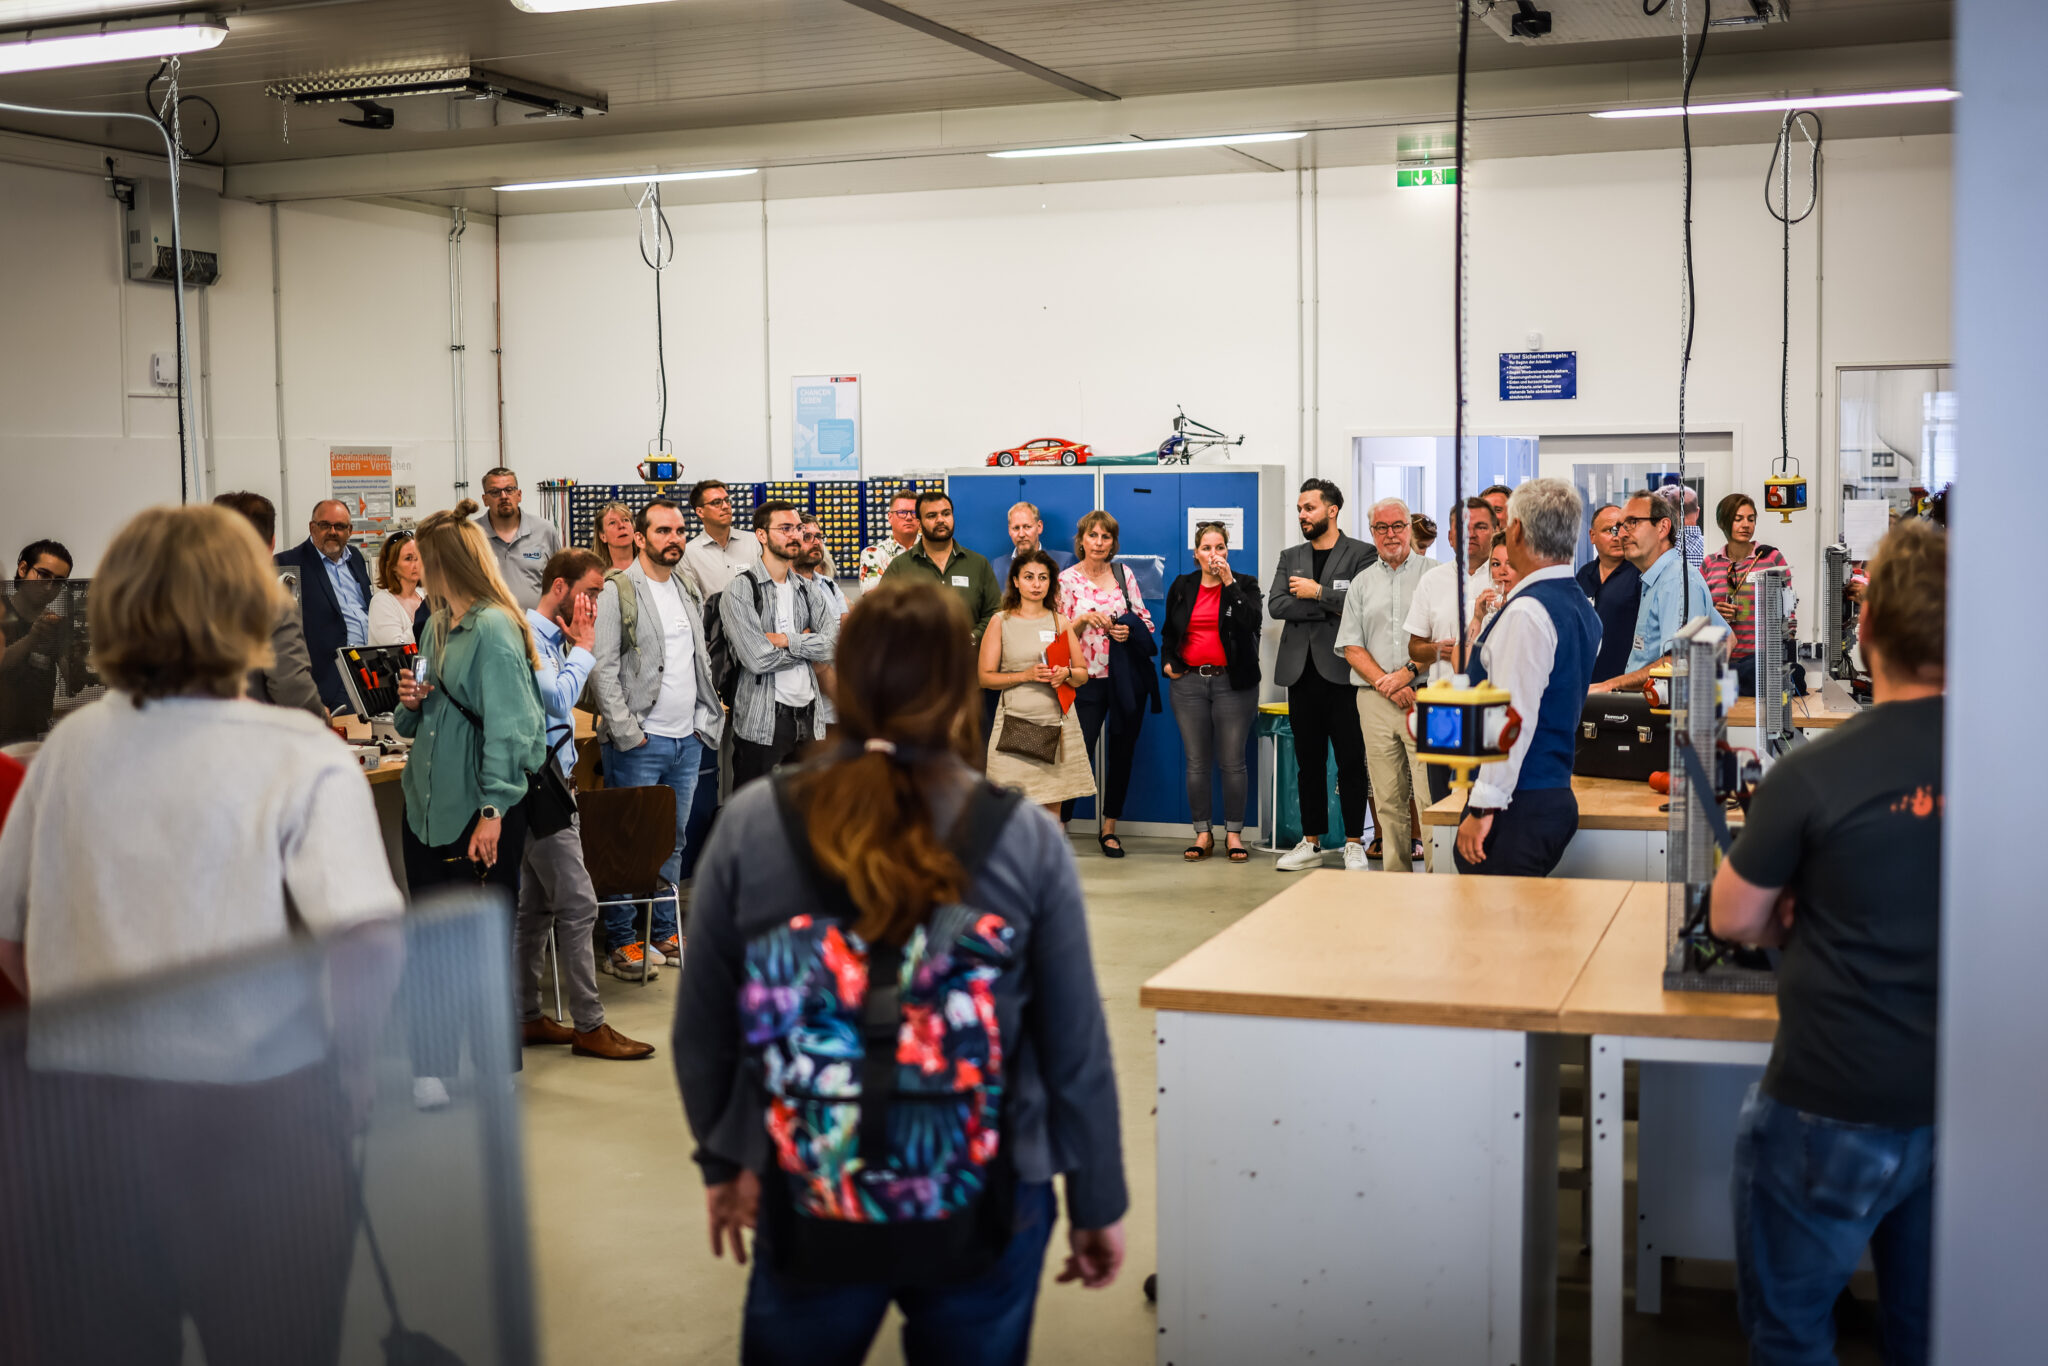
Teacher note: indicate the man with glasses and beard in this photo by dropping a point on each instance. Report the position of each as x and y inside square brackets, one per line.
[334, 592]
[1673, 590]
[36, 624]
[521, 543]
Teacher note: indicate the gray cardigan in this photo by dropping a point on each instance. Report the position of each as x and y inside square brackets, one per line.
[813, 642]
[1310, 629]
[627, 678]
[1060, 1110]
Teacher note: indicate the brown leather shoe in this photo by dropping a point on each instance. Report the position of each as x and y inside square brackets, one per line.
[545, 1030]
[606, 1042]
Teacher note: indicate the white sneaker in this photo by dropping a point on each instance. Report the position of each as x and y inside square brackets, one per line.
[1307, 854]
[429, 1093]
[1354, 856]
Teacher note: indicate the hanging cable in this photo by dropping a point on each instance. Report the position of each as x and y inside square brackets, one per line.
[1464, 527]
[658, 252]
[1688, 68]
[1781, 166]
[149, 98]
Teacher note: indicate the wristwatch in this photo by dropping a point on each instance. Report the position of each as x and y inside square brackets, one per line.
[491, 813]
[1480, 813]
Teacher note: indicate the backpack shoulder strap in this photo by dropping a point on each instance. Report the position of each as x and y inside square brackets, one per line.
[981, 824]
[830, 890]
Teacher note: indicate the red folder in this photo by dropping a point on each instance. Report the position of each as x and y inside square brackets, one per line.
[1058, 657]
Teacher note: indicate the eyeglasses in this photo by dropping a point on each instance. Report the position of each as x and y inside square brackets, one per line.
[1638, 521]
[505, 492]
[716, 502]
[814, 536]
[47, 575]
[334, 526]
[1386, 528]
[903, 512]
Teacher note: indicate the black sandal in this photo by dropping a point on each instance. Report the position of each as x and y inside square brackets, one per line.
[1239, 854]
[1107, 850]
[1195, 853]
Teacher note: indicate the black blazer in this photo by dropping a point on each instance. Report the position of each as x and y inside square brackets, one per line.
[326, 628]
[1238, 618]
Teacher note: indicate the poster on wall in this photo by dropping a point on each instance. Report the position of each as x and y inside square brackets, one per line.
[1232, 519]
[360, 476]
[826, 424]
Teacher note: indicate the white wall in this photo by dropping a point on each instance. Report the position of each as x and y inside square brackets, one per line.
[978, 318]
[86, 439]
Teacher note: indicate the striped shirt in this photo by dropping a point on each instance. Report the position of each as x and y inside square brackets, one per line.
[1727, 578]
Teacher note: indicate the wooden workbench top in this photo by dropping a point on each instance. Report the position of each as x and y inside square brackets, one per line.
[1808, 713]
[1395, 948]
[1604, 804]
[1621, 990]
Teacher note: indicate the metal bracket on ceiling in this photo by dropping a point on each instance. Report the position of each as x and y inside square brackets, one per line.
[932, 28]
[460, 81]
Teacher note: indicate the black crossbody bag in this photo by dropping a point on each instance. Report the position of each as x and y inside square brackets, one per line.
[550, 803]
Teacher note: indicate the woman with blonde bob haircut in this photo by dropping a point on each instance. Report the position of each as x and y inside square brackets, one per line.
[878, 836]
[478, 729]
[169, 824]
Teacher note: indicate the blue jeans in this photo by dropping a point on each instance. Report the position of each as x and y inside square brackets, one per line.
[984, 1322]
[1810, 1193]
[661, 762]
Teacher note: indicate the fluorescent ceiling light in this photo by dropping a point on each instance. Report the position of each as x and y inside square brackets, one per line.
[1671, 111]
[624, 180]
[117, 40]
[564, 6]
[1157, 145]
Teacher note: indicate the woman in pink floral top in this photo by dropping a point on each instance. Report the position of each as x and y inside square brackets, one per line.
[1094, 592]
[1728, 575]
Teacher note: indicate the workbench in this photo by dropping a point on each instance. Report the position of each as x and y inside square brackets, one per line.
[1622, 828]
[1696, 1053]
[1357, 1118]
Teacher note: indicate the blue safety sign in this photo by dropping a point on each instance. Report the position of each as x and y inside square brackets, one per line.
[1538, 374]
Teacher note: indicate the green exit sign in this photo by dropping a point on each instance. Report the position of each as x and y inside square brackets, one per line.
[1425, 175]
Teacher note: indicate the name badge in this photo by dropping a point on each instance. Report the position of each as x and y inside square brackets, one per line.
[959, 580]
[1046, 637]
[1341, 585]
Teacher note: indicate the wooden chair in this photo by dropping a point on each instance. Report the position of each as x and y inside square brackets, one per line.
[628, 833]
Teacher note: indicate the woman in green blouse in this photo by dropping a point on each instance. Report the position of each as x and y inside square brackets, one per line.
[464, 785]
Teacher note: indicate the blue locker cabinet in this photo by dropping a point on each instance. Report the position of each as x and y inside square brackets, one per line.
[982, 503]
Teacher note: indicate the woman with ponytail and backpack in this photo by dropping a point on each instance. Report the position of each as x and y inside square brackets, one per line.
[888, 1038]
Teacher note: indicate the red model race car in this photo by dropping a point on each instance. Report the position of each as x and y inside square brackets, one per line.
[1047, 450]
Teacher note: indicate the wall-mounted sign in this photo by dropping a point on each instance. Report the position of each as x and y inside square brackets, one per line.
[360, 476]
[1528, 375]
[826, 424]
[1410, 177]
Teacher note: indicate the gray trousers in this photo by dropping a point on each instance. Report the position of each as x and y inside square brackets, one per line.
[555, 893]
[1215, 721]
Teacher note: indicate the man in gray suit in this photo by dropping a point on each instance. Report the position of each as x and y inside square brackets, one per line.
[1322, 696]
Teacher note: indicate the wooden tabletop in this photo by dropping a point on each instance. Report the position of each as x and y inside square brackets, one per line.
[1808, 713]
[1395, 948]
[394, 764]
[1621, 990]
[1604, 804]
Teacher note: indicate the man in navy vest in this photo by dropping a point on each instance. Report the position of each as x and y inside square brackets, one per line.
[1540, 647]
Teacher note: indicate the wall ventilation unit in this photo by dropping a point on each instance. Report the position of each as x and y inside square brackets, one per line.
[1614, 21]
[149, 231]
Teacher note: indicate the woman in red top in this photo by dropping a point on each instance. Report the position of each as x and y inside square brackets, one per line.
[1210, 653]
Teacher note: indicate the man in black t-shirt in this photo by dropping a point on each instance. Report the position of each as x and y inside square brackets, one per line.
[1840, 862]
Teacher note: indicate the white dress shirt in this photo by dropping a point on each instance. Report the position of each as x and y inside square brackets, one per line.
[1519, 655]
[1433, 615]
[710, 566]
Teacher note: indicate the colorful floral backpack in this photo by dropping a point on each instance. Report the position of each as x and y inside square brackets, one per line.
[883, 1067]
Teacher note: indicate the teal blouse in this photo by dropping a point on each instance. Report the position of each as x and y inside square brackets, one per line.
[451, 774]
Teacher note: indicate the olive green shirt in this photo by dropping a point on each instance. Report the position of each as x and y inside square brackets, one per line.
[968, 573]
[451, 774]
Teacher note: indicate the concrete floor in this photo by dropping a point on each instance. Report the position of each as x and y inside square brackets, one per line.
[624, 1274]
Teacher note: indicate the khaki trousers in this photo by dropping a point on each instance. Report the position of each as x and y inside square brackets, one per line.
[1397, 776]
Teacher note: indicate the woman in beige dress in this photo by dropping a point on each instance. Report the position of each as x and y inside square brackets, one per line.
[1013, 663]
